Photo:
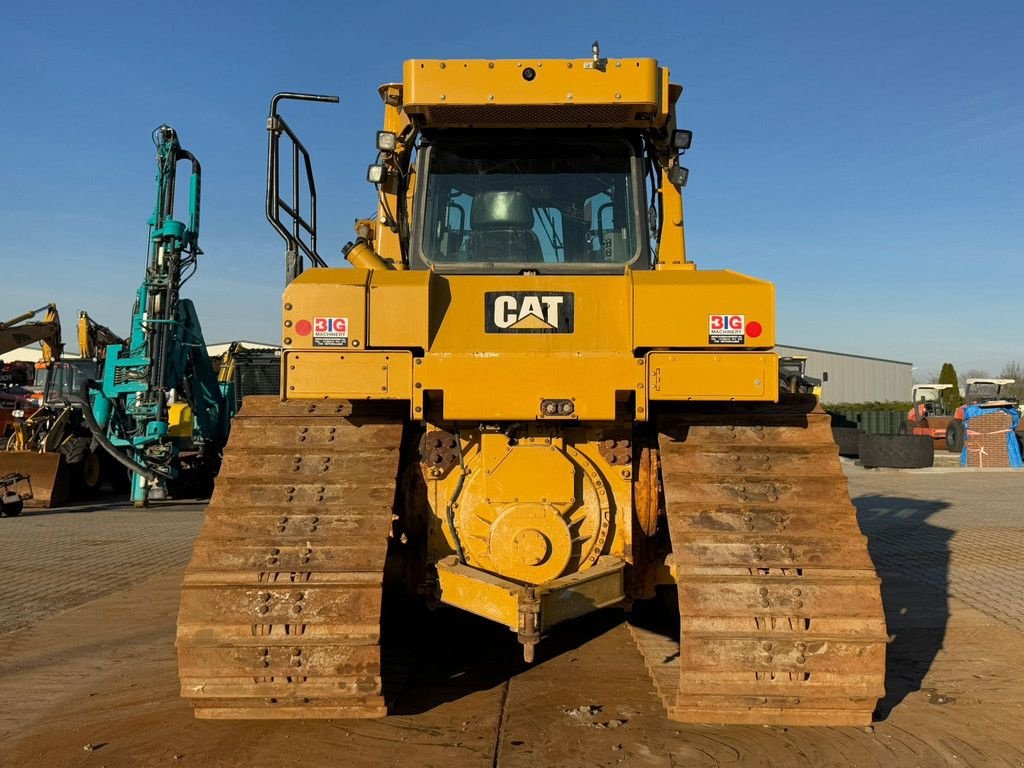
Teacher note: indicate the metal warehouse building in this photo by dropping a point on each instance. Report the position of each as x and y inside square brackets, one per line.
[855, 378]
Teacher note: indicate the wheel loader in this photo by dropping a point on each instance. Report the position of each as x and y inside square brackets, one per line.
[523, 397]
[50, 440]
[47, 467]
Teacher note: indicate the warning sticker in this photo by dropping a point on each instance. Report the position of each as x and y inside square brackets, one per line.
[330, 331]
[726, 329]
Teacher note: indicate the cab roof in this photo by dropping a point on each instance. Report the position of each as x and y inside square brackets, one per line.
[537, 93]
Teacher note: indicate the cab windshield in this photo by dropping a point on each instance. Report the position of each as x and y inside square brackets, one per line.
[66, 378]
[510, 203]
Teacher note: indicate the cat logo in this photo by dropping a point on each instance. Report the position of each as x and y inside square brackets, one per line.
[524, 312]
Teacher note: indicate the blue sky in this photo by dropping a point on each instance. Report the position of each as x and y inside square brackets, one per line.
[868, 157]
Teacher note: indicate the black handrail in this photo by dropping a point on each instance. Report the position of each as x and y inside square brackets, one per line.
[301, 229]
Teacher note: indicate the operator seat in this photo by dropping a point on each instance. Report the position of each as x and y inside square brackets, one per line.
[501, 225]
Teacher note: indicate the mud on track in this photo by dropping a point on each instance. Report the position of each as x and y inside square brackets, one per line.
[104, 673]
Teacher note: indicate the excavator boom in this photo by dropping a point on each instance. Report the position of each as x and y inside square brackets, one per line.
[16, 332]
[93, 338]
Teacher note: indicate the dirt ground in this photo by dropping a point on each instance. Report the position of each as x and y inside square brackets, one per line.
[88, 674]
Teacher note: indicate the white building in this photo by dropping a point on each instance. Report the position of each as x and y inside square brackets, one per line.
[855, 378]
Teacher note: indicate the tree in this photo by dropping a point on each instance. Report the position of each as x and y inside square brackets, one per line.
[1013, 370]
[973, 373]
[950, 397]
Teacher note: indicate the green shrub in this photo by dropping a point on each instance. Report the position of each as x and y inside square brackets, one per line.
[888, 418]
[902, 407]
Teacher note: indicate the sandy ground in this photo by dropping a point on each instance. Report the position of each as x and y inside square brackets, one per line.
[93, 682]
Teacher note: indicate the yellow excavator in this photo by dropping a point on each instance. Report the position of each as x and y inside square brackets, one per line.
[23, 330]
[522, 395]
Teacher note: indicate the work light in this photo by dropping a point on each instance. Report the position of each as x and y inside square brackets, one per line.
[376, 174]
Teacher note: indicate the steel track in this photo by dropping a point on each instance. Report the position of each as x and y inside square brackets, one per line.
[781, 619]
[281, 602]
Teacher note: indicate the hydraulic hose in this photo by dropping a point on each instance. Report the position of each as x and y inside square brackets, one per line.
[450, 510]
[450, 514]
[104, 442]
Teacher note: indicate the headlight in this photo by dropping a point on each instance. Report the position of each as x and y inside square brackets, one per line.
[386, 141]
[376, 174]
[681, 140]
[678, 175]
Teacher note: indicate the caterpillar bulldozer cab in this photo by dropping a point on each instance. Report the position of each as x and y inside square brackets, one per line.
[524, 395]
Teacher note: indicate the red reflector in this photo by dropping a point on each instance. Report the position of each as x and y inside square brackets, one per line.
[303, 327]
[754, 329]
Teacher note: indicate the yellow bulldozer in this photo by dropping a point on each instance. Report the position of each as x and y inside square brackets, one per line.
[526, 398]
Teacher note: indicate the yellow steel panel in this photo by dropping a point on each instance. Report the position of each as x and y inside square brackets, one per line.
[486, 373]
[325, 293]
[510, 386]
[351, 375]
[672, 250]
[713, 376]
[447, 313]
[602, 308]
[478, 592]
[386, 241]
[517, 471]
[672, 308]
[633, 83]
[498, 599]
[179, 420]
[581, 593]
[400, 309]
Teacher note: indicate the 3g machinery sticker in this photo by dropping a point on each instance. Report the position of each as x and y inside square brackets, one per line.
[527, 312]
[726, 329]
[330, 331]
